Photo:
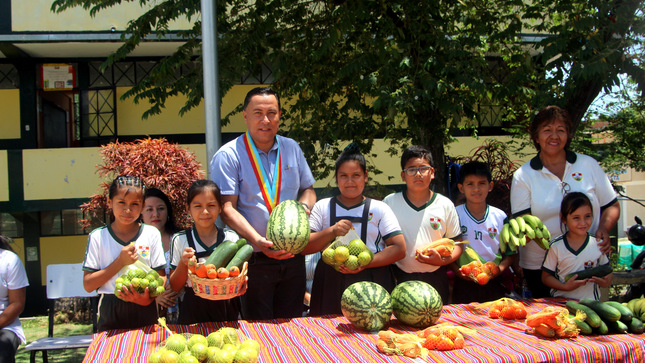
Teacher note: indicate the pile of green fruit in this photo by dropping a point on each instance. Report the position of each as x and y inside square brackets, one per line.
[520, 230]
[352, 255]
[138, 279]
[221, 346]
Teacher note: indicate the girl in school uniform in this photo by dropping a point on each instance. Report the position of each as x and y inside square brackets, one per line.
[373, 221]
[576, 250]
[204, 206]
[121, 243]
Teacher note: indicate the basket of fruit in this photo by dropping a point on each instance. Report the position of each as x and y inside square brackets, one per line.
[222, 275]
[218, 284]
[348, 250]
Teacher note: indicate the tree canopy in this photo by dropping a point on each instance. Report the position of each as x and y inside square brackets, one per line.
[410, 72]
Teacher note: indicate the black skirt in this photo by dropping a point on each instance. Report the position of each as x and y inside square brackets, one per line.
[194, 309]
[115, 313]
[329, 285]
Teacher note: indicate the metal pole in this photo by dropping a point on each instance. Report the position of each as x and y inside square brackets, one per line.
[211, 80]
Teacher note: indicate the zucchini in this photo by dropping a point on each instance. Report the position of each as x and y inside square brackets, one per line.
[242, 255]
[636, 326]
[617, 327]
[602, 329]
[240, 242]
[626, 315]
[593, 320]
[599, 271]
[222, 254]
[585, 329]
[606, 312]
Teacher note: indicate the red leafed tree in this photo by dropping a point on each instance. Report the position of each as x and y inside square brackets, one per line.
[160, 164]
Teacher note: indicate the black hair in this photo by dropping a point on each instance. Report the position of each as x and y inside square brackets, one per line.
[203, 185]
[170, 225]
[264, 91]
[546, 116]
[416, 151]
[474, 168]
[4, 243]
[571, 202]
[126, 181]
[352, 152]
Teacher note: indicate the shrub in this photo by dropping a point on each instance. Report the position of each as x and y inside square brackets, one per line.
[160, 164]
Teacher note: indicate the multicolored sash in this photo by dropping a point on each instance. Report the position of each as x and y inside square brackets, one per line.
[270, 191]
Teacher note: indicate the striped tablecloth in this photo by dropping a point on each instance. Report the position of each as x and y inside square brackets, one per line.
[333, 339]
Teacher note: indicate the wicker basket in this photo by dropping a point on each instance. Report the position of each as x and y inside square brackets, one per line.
[220, 289]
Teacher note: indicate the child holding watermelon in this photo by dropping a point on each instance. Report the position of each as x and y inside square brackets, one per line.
[119, 244]
[374, 222]
[425, 216]
[480, 224]
[204, 206]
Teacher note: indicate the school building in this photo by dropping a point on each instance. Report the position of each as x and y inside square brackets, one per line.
[58, 108]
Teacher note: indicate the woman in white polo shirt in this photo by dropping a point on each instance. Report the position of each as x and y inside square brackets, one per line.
[539, 186]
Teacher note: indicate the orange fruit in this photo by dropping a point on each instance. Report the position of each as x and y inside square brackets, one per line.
[459, 342]
[200, 270]
[451, 333]
[466, 269]
[210, 266]
[508, 313]
[234, 271]
[519, 313]
[431, 342]
[483, 278]
[222, 273]
[211, 273]
[494, 313]
[445, 343]
[191, 264]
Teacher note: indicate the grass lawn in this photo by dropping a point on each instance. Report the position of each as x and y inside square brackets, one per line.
[36, 328]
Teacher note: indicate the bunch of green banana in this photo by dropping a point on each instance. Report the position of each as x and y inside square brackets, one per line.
[521, 229]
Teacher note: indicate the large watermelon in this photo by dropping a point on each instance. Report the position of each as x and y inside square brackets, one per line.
[288, 227]
[416, 303]
[367, 305]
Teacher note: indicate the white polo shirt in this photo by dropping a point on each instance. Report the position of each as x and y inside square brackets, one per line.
[562, 260]
[12, 277]
[537, 191]
[434, 220]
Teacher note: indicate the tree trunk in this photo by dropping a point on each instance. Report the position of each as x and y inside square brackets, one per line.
[434, 141]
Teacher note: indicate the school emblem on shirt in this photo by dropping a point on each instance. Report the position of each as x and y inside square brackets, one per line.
[144, 251]
[369, 217]
[577, 176]
[492, 232]
[435, 223]
[588, 265]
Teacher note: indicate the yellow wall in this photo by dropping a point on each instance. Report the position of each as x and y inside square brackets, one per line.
[4, 177]
[62, 249]
[130, 121]
[10, 121]
[18, 247]
[35, 15]
[60, 173]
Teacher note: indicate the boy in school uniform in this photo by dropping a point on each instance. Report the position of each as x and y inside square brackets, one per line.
[481, 224]
[424, 217]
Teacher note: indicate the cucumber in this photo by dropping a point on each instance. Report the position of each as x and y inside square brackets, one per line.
[593, 320]
[585, 329]
[240, 242]
[242, 255]
[636, 326]
[602, 329]
[599, 271]
[626, 315]
[222, 254]
[606, 312]
[617, 327]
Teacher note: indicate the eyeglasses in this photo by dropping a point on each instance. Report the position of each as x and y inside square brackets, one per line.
[566, 188]
[424, 170]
